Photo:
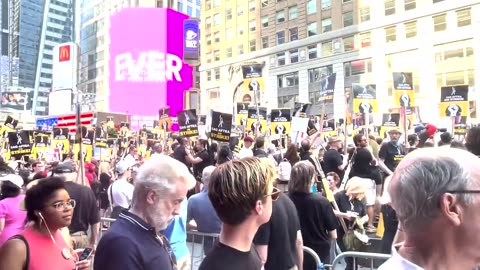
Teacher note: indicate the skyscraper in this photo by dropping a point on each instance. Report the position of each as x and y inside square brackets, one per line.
[38, 26]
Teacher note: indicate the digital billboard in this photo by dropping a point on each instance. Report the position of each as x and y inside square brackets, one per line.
[146, 67]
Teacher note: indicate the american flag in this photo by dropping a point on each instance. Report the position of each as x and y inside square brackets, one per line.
[69, 121]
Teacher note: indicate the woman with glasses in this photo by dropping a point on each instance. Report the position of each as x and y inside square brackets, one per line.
[41, 245]
[317, 220]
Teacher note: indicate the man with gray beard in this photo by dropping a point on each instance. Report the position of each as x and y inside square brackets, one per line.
[134, 241]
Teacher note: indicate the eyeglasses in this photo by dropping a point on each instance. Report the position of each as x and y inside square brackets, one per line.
[464, 191]
[59, 206]
[275, 194]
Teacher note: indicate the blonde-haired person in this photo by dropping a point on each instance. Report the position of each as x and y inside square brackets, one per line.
[317, 220]
[350, 207]
[241, 192]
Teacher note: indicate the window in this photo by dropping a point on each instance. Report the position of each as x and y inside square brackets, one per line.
[327, 49]
[216, 19]
[347, 19]
[208, 22]
[264, 3]
[229, 14]
[287, 80]
[239, 11]
[389, 7]
[229, 33]
[265, 21]
[436, 1]
[411, 29]
[216, 55]
[294, 56]
[311, 7]
[410, 4]
[292, 13]
[208, 4]
[326, 4]
[440, 23]
[348, 44]
[312, 52]
[281, 59]
[391, 34]
[253, 45]
[240, 30]
[240, 49]
[216, 37]
[464, 17]
[347, 1]
[280, 38]
[229, 52]
[217, 74]
[293, 34]
[312, 29]
[251, 6]
[216, 3]
[209, 57]
[365, 40]
[326, 25]
[209, 39]
[317, 74]
[280, 16]
[252, 25]
[357, 67]
[365, 14]
[209, 75]
[264, 42]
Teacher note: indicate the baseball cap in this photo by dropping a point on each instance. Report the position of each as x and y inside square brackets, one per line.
[418, 128]
[123, 166]
[248, 139]
[13, 178]
[65, 167]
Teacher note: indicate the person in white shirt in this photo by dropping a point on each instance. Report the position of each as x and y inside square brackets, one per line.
[120, 192]
[246, 151]
[157, 150]
[435, 194]
[130, 158]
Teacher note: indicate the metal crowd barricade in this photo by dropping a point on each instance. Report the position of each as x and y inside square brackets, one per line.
[311, 252]
[104, 221]
[198, 243]
[374, 258]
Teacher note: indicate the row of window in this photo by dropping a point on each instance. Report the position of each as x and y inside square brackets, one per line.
[389, 5]
[216, 74]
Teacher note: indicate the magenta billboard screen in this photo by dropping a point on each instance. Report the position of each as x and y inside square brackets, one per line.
[146, 67]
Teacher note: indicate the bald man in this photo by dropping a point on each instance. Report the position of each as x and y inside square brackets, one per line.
[436, 195]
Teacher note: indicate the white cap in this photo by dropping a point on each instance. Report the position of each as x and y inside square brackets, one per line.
[15, 179]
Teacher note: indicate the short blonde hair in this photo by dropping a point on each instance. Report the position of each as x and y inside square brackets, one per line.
[355, 187]
[236, 186]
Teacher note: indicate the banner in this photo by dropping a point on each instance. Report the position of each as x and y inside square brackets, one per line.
[165, 122]
[19, 143]
[41, 146]
[454, 101]
[280, 121]
[252, 77]
[253, 118]
[221, 126]
[101, 137]
[302, 109]
[187, 123]
[242, 114]
[328, 129]
[61, 140]
[327, 88]
[86, 152]
[403, 89]
[87, 135]
[389, 121]
[460, 126]
[364, 98]
[9, 126]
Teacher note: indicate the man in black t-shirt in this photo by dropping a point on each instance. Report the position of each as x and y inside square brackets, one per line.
[281, 237]
[391, 153]
[241, 191]
[180, 153]
[200, 161]
[333, 161]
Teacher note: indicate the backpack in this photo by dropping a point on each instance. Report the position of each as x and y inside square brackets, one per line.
[284, 170]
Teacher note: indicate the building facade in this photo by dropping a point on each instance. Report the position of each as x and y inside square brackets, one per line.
[38, 26]
[361, 41]
[94, 43]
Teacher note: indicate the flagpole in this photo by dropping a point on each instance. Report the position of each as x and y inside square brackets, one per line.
[79, 139]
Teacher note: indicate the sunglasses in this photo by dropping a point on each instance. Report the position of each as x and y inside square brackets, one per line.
[275, 194]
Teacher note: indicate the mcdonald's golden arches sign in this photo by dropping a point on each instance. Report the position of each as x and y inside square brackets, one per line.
[64, 53]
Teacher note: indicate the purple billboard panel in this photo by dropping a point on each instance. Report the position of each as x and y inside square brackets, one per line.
[146, 67]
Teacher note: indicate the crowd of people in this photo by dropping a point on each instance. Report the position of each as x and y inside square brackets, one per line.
[265, 204]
